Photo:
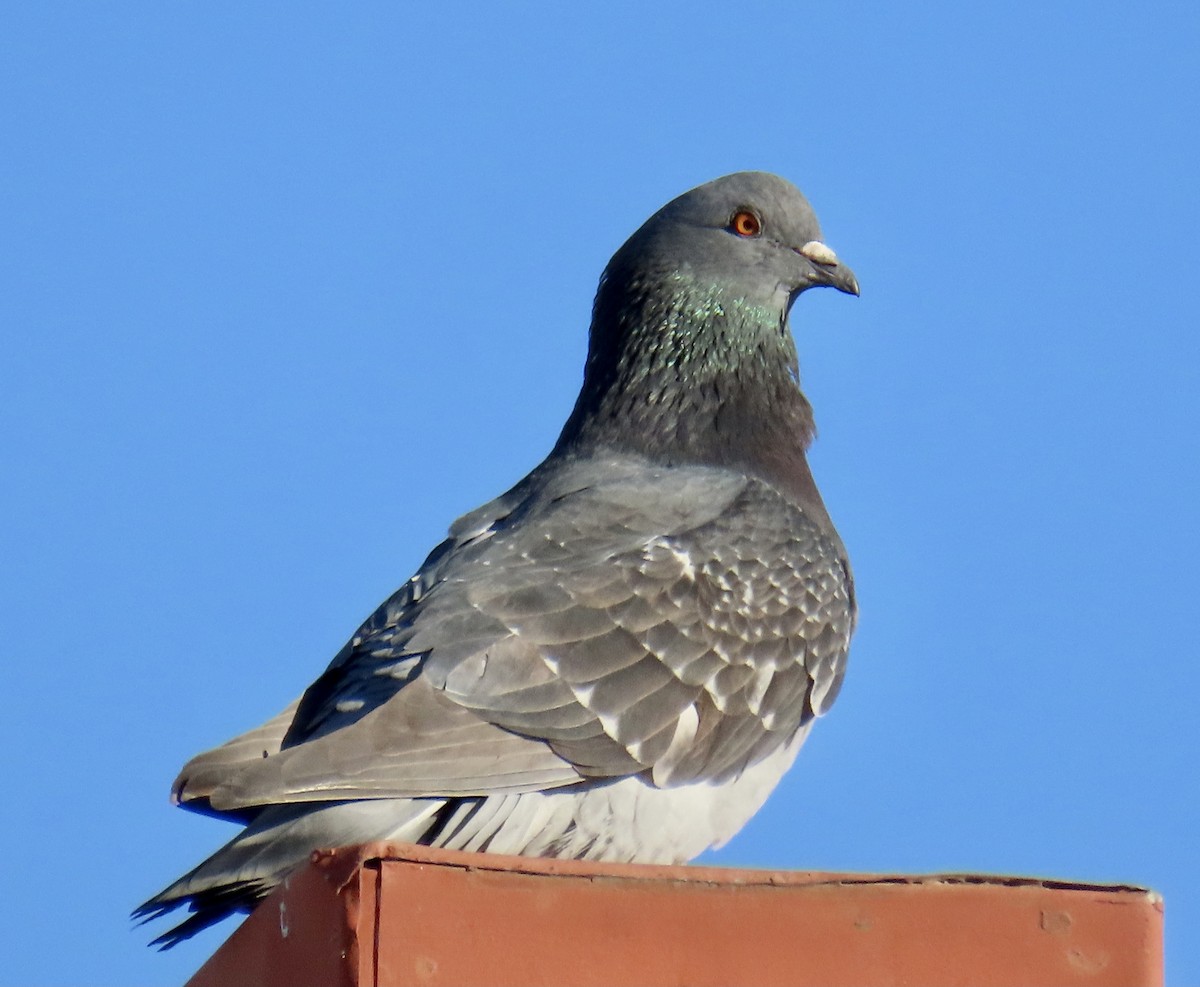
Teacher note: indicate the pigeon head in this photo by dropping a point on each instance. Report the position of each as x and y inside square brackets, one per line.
[751, 235]
[690, 357]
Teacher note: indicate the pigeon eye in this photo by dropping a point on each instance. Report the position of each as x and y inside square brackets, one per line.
[745, 223]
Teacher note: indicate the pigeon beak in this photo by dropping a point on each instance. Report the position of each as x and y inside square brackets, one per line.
[825, 268]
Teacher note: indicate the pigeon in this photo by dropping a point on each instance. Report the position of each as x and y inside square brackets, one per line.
[617, 659]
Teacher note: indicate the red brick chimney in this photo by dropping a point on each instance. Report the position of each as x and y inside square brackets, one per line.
[393, 914]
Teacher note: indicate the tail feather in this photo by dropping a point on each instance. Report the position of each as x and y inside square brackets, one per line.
[625, 819]
[208, 908]
[244, 871]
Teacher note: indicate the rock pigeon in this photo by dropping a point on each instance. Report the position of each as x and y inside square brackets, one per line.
[618, 658]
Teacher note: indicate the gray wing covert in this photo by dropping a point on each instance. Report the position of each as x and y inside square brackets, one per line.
[688, 649]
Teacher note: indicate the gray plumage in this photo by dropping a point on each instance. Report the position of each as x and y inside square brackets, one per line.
[618, 658]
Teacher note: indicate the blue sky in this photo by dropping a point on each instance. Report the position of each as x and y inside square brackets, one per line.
[286, 288]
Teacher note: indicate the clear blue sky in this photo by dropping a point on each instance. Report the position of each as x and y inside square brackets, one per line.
[288, 287]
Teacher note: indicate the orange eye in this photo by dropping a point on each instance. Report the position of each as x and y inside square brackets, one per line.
[745, 223]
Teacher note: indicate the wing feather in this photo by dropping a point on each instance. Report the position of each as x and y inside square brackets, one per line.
[610, 618]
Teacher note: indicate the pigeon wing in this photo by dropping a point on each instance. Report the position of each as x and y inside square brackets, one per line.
[617, 619]
[693, 643]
